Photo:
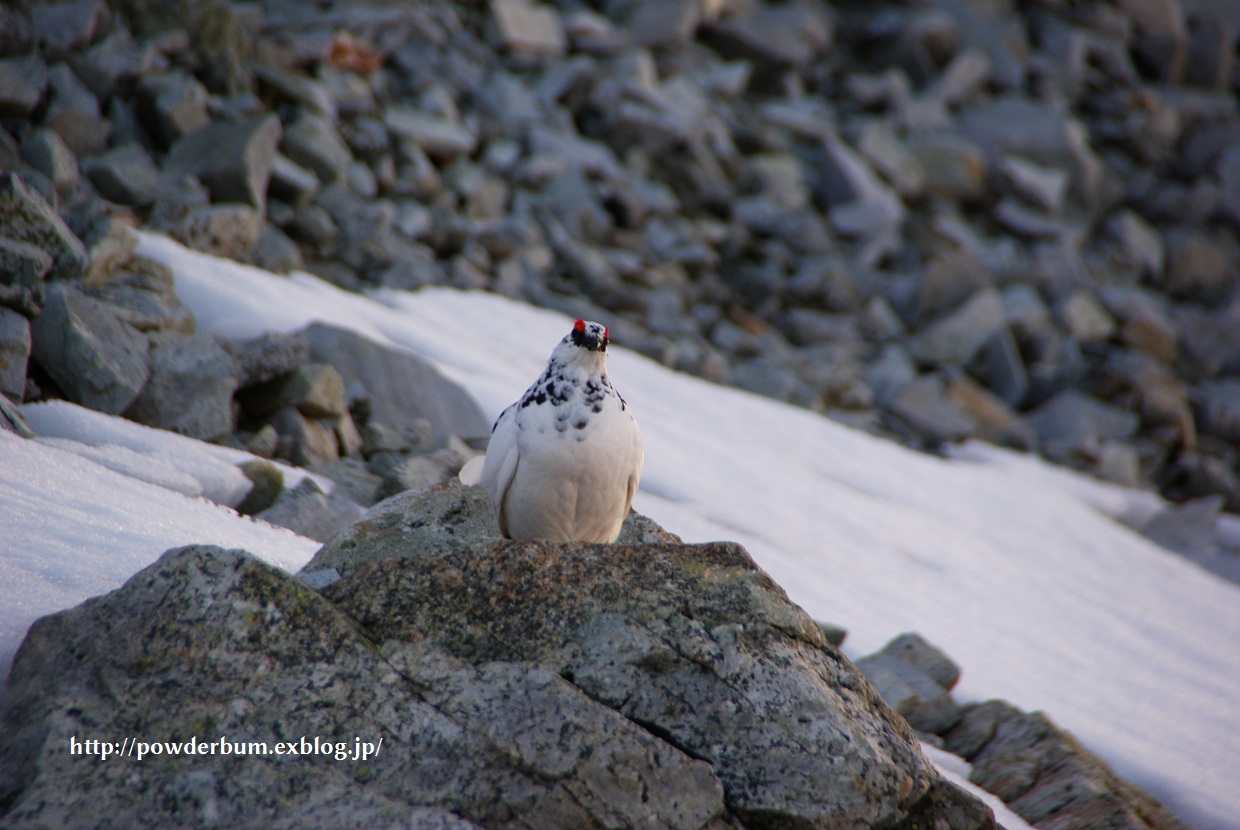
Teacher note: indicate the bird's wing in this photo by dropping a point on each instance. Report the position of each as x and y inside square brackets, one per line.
[500, 465]
[636, 476]
[471, 473]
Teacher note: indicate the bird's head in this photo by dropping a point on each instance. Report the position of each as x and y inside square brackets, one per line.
[590, 336]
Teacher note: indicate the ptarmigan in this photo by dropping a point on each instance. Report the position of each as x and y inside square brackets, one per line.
[564, 460]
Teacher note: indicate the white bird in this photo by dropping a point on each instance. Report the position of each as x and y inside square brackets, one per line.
[564, 461]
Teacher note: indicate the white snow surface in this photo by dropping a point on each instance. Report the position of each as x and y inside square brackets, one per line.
[1017, 570]
[72, 528]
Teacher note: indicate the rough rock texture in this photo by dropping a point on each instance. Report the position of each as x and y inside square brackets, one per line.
[96, 359]
[190, 388]
[402, 388]
[27, 217]
[670, 686]
[436, 522]
[1045, 775]
[308, 511]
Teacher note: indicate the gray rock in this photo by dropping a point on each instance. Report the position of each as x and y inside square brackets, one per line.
[1073, 420]
[954, 167]
[403, 389]
[764, 376]
[934, 417]
[1019, 126]
[364, 181]
[267, 357]
[949, 280]
[954, 339]
[694, 677]
[22, 269]
[110, 244]
[592, 33]
[27, 217]
[889, 373]
[268, 481]
[573, 151]
[1032, 765]
[1211, 338]
[968, 74]
[264, 442]
[1001, 39]
[436, 136]
[1162, 399]
[190, 388]
[779, 35]
[14, 353]
[911, 692]
[60, 28]
[1160, 42]
[879, 321]
[275, 252]
[1085, 318]
[999, 365]
[1217, 405]
[994, 419]
[291, 182]
[890, 155]
[861, 204]
[366, 238]
[353, 479]
[305, 441]
[115, 60]
[1190, 528]
[913, 649]
[314, 226]
[10, 151]
[229, 230]
[422, 472]
[315, 389]
[1141, 245]
[308, 511]
[307, 93]
[234, 161]
[73, 112]
[12, 420]
[442, 520]
[1027, 222]
[142, 293]
[1025, 310]
[312, 142]
[1210, 56]
[22, 83]
[15, 30]
[463, 745]
[662, 23]
[98, 361]
[528, 28]
[124, 174]
[1201, 266]
[1153, 331]
[173, 105]
[47, 152]
[1045, 187]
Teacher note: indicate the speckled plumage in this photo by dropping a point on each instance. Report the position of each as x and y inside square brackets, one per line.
[564, 461]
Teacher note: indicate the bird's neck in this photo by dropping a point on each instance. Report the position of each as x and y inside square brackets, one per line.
[582, 364]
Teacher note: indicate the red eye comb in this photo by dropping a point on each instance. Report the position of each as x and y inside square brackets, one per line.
[580, 325]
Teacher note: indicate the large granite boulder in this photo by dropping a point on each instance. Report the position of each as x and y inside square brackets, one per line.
[512, 684]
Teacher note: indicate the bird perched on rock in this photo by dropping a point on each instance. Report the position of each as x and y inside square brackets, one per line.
[564, 460]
